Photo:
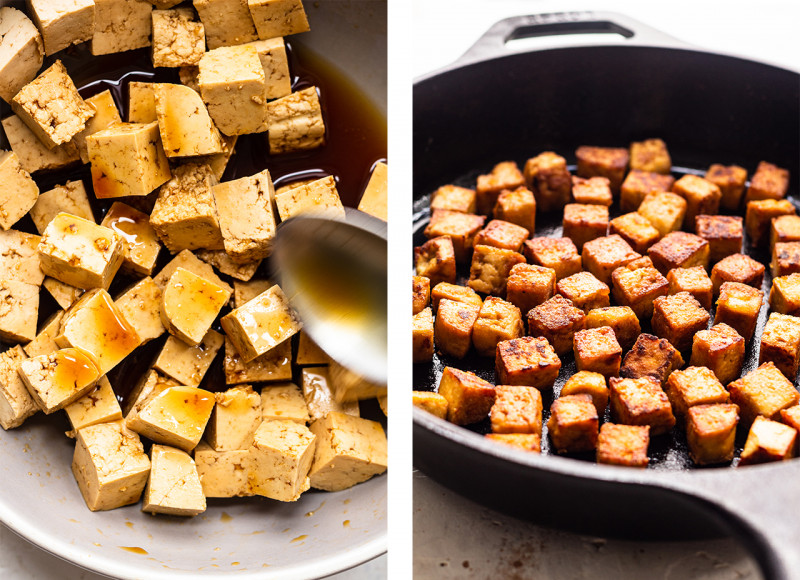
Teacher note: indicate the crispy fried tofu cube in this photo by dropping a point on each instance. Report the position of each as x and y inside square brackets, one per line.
[621, 319]
[433, 403]
[694, 386]
[453, 198]
[497, 321]
[768, 182]
[641, 402]
[461, 227]
[665, 210]
[759, 215]
[784, 228]
[524, 441]
[678, 317]
[791, 416]
[730, 180]
[490, 268]
[610, 162]
[638, 289]
[604, 255]
[469, 397]
[784, 296]
[583, 223]
[693, 280]
[597, 350]
[636, 230]
[557, 320]
[436, 260]
[560, 254]
[711, 432]
[737, 268]
[764, 391]
[738, 306]
[573, 424]
[505, 175]
[702, 196]
[422, 334]
[638, 184]
[623, 445]
[584, 290]
[502, 234]
[650, 155]
[527, 361]
[768, 441]
[651, 357]
[529, 285]
[547, 176]
[679, 250]
[593, 191]
[785, 259]
[780, 343]
[455, 292]
[421, 293]
[724, 234]
[721, 349]
[453, 327]
[588, 383]
[517, 410]
[517, 206]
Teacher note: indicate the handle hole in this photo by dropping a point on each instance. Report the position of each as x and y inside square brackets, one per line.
[555, 35]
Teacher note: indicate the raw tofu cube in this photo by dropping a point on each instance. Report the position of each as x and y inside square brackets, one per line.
[584, 291]
[721, 349]
[573, 424]
[283, 401]
[665, 210]
[758, 217]
[174, 486]
[501, 234]
[469, 398]
[273, 365]
[278, 17]
[99, 405]
[768, 441]
[281, 458]
[69, 198]
[764, 391]
[460, 227]
[638, 184]
[780, 343]
[592, 191]
[21, 52]
[641, 402]
[678, 318]
[490, 268]
[724, 234]
[785, 259]
[62, 22]
[784, 296]
[559, 254]
[504, 175]
[309, 352]
[527, 361]
[127, 159]
[184, 124]
[19, 259]
[349, 450]
[188, 261]
[33, 155]
[711, 433]
[497, 321]
[178, 39]
[316, 196]
[588, 383]
[454, 198]
[638, 289]
[557, 320]
[650, 155]
[422, 336]
[603, 255]
[176, 416]
[730, 179]
[524, 441]
[58, 379]
[190, 304]
[236, 416]
[737, 268]
[651, 357]
[45, 342]
[784, 228]
[105, 115]
[583, 223]
[547, 176]
[597, 350]
[421, 293]
[607, 162]
[693, 280]
[679, 250]
[433, 403]
[517, 206]
[453, 328]
[517, 410]
[19, 310]
[142, 245]
[694, 386]
[19, 193]
[636, 230]
[110, 465]
[621, 319]
[738, 306]
[227, 22]
[222, 473]
[768, 182]
[374, 200]
[141, 103]
[16, 403]
[319, 397]
[623, 445]
[244, 292]
[702, 196]
[121, 25]
[528, 286]
[188, 364]
[295, 122]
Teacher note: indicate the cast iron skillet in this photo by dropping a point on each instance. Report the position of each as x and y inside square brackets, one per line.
[496, 104]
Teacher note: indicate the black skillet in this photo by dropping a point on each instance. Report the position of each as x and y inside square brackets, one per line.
[496, 104]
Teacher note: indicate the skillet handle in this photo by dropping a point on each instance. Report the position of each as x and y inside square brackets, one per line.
[495, 42]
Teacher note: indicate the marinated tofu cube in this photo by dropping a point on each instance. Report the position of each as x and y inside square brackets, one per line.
[517, 410]
[609, 162]
[222, 473]
[780, 343]
[559, 254]
[678, 317]
[349, 386]
[319, 396]
[421, 293]
[188, 261]
[295, 122]
[69, 198]
[501, 234]
[275, 18]
[527, 361]
[638, 184]
[524, 441]
[517, 206]
[105, 115]
[283, 401]
[99, 405]
[638, 289]
[63, 23]
[651, 357]
[759, 215]
[665, 210]
[721, 349]
[21, 52]
[739, 268]
[235, 418]
[45, 342]
[243, 292]
[185, 363]
[604, 255]
[785, 259]
[738, 306]
[597, 350]
[141, 306]
[374, 200]
[142, 245]
[583, 223]
[490, 269]
[557, 320]
[141, 103]
[584, 290]
[679, 250]
[453, 198]
[573, 424]
[588, 383]
[32, 154]
[636, 230]
[110, 465]
[174, 486]
[273, 365]
[623, 445]
[547, 176]
[176, 416]
[227, 22]
[16, 403]
[784, 228]
[64, 294]
[148, 386]
[711, 432]
[641, 402]
[455, 292]
[702, 197]
[281, 458]
[184, 124]
[20, 192]
[436, 260]
[622, 320]
[768, 182]
[764, 391]
[768, 441]
[58, 379]
[731, 180]
[497, 321]
[433, 403]
[19, 310]
[461, 227]
[693, 280]
[121, 25]
[505, 175]
[784, 296]
[529, 285]
[650, 155]
[272, 53]
[19, 259]
[724, 234]
[190, 304]
[592, 191]
[454, 326]
[694, 386]
[469, 398]
[178, 39]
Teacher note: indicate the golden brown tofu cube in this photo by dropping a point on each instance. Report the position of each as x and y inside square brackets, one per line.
[721, 349]
[584, 290]
[497, 321]
[763, 391]
[527, 361]
[517, 206]
[730, 179]
[665, 210]
[641, 402]
[453, 327]
[490, 268]
[454, 198]
[622, 320]
[678, 317]
[768, 182]
[780, 343]
[679, 250]
[651, 357]
[517, 410]
[702, 196]
[557, 320]
[469, 397]
[785, 259]
[693, 280]
[650, 155]
[588, 383]
[638, 184]
[604, 255]
[421, 293]
[436, 260]
[643, 262]
[791, 416]
[523, 441]
[505, 175]
[623, 445]
[529, 285]
[597, 350]
[560, 254]
[711, 432]
[609, 162]
[784, 296]
[501, 234]
[694, 386]
[759, 215]
[461, 227]
[638, 289]
[724, 234]
[433, 403]
[592, 191]
[455, 292]
[738, 306]
[573, 424]
[768, 441]
[547, 176]
[584, 222]
[737, 268]
[784, 228]
[636, 230]
[422, 335]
